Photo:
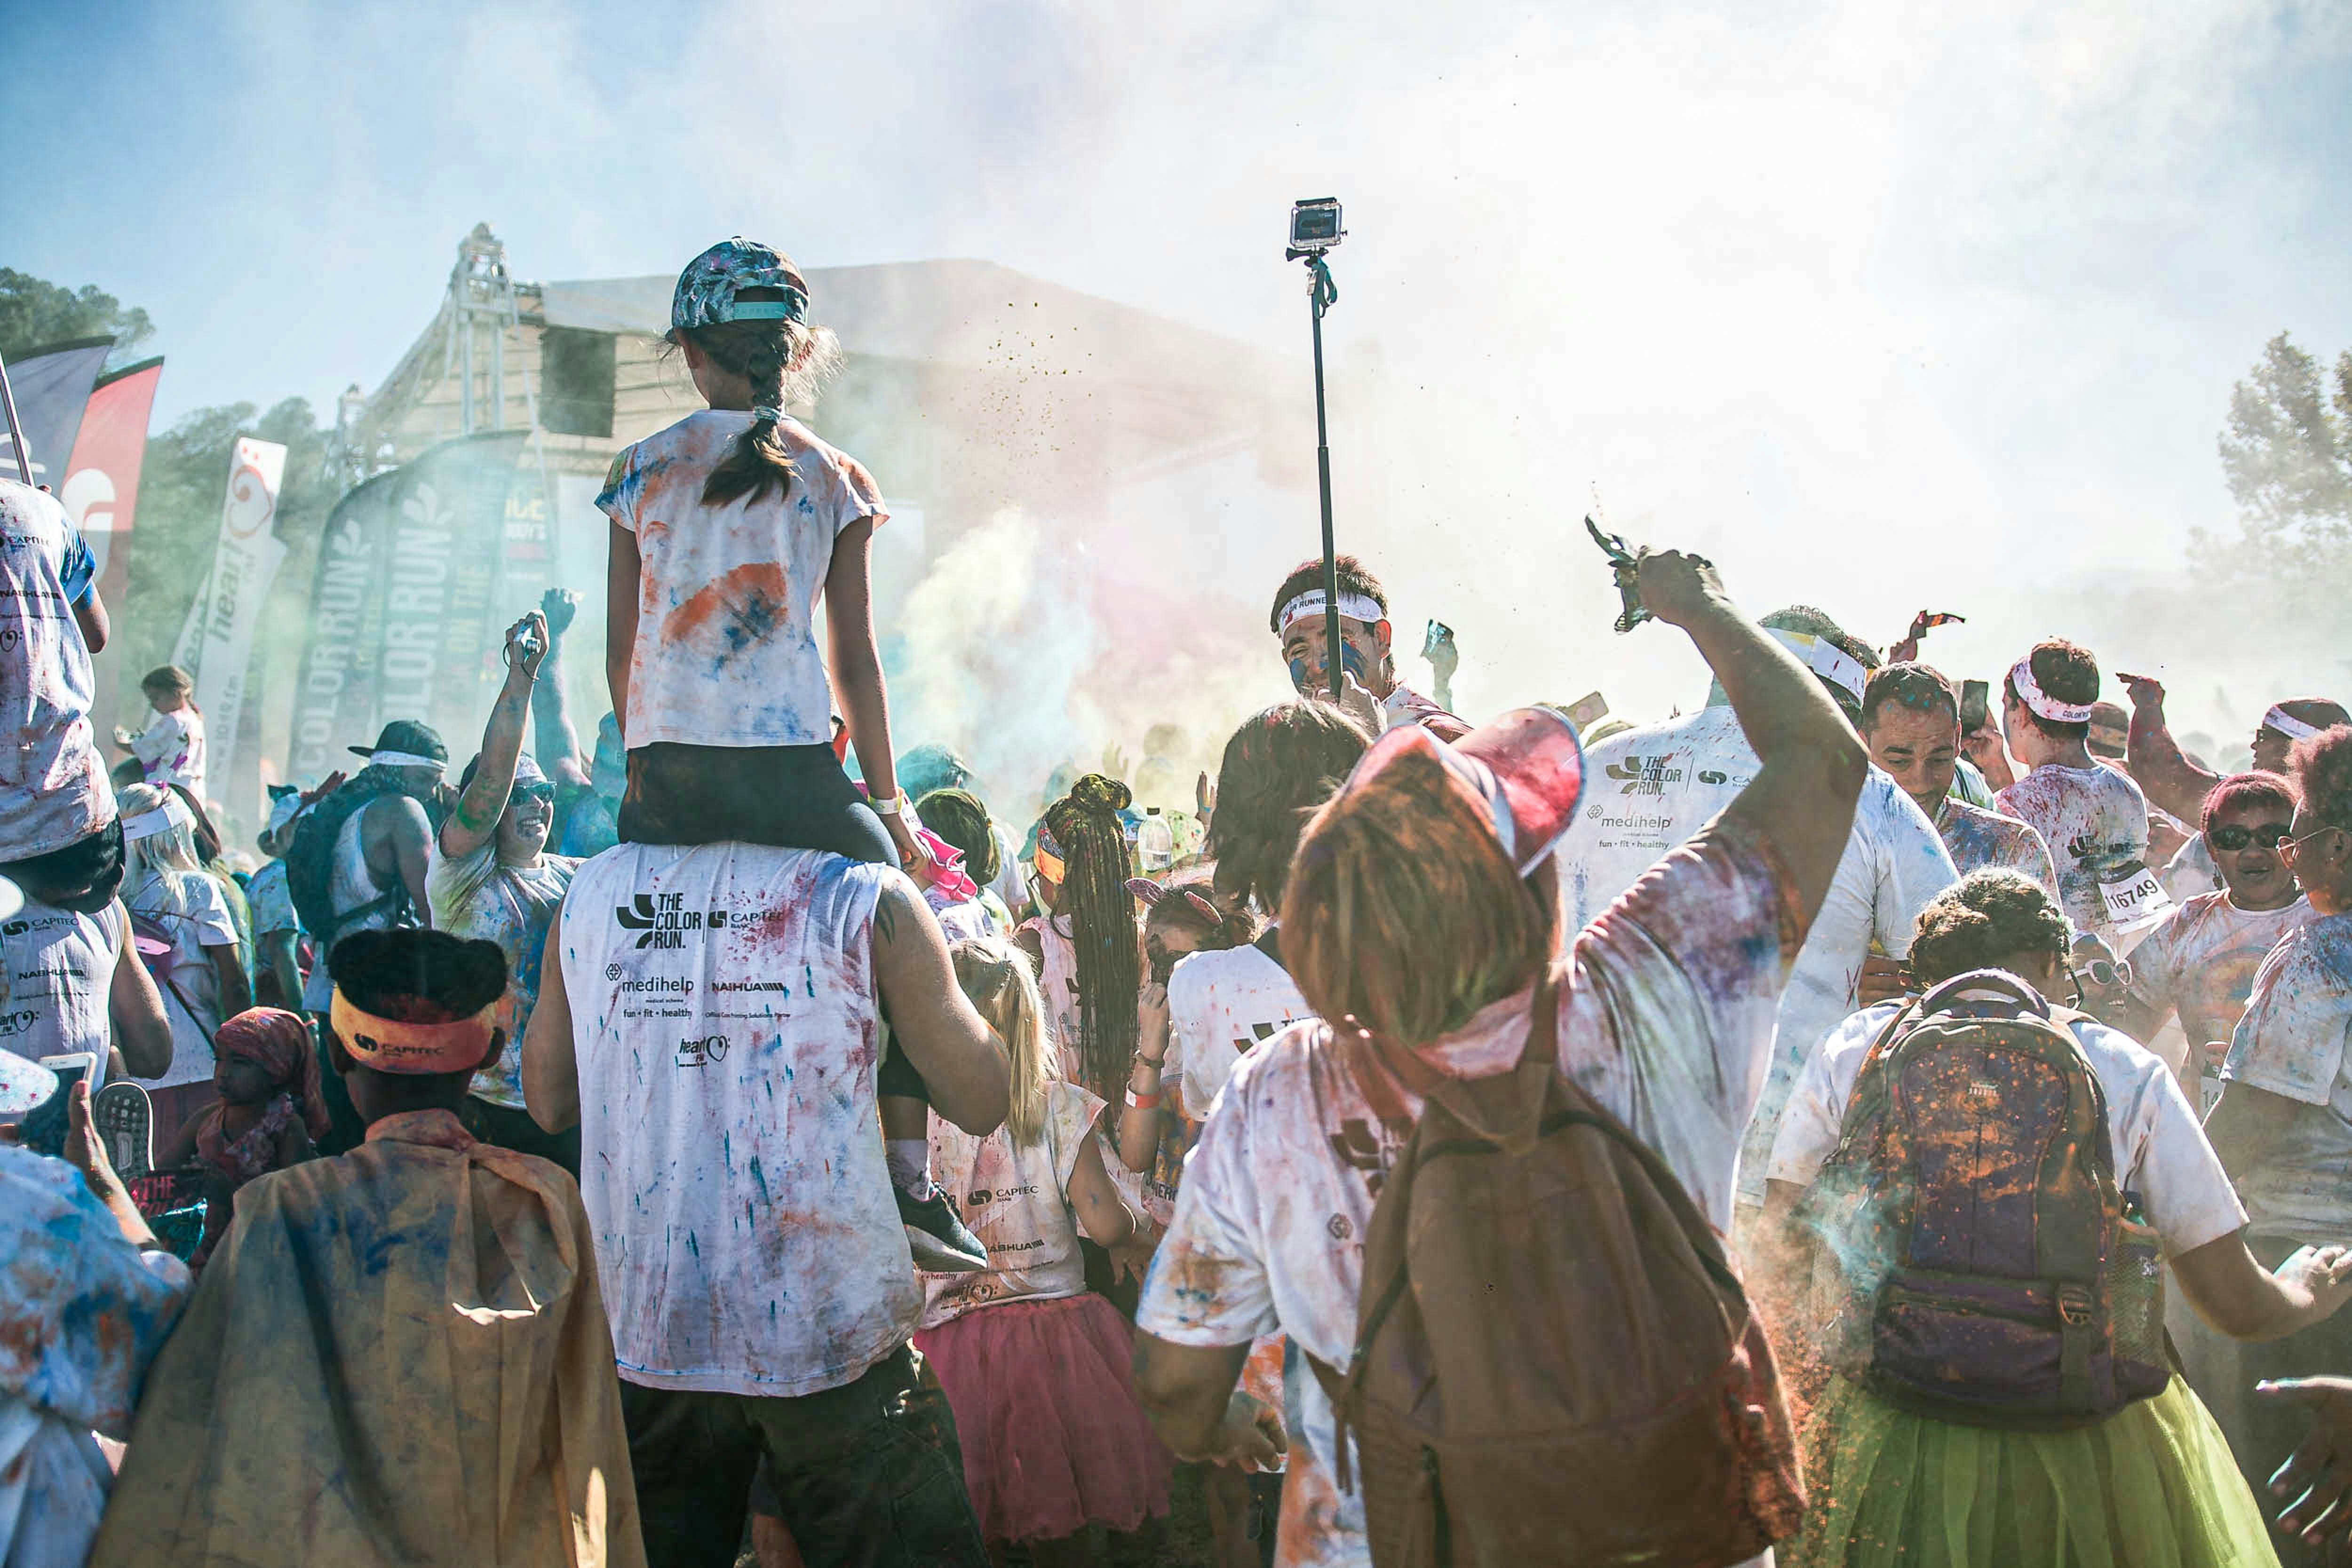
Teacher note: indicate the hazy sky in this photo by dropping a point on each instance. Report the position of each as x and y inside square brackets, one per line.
[1878, 305]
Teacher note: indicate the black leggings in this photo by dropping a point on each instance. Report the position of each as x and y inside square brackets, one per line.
[793, 796]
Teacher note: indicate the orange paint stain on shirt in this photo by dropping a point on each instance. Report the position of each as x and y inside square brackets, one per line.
[732, 612]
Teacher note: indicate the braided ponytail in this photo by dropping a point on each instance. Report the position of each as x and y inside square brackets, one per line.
[784, 361]
[1102, 926]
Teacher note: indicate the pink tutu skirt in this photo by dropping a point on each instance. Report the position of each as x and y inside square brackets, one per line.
[1044, 1396]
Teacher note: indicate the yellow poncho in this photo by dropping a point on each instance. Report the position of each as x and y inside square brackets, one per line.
[395, 1356]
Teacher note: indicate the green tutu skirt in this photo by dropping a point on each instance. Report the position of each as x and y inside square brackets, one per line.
[2153, 1486]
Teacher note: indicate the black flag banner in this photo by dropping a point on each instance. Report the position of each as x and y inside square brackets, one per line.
[402, 611]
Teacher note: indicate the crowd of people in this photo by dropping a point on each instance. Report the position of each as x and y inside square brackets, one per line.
[1870, 1119]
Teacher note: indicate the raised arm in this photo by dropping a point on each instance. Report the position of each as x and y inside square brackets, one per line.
[553, 740]
[621, 590]
[475, 821]
[945, 1040]
[1802, 797]
[2169, 780]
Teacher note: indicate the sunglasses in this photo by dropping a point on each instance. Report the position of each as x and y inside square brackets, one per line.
[2290, 848]
[535, 792]
[2233, 838]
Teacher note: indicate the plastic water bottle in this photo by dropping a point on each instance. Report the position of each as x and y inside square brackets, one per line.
[1155, 842]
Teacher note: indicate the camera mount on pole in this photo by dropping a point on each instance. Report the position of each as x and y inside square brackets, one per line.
[1314, 230]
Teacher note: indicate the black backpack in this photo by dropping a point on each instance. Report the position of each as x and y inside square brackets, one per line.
[310, 864]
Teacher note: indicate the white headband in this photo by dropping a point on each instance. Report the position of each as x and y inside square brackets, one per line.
[172, 813]
[2021, 674]
[1825, 659]
[2286, 724]
[403, 760]
[1354, 606]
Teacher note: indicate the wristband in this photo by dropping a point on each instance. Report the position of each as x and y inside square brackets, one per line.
[1153, 1062]
[889, 806]
[1143, 1102]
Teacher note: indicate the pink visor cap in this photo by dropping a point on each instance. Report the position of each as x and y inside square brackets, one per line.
[1527, 766]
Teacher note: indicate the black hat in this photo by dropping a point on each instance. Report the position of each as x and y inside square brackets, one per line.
[408, 738]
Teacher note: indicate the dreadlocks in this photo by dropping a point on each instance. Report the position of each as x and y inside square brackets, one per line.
[1101, 914]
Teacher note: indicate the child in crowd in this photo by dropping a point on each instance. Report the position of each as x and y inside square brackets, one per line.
[1033, 1364]
[401, 1353]
[726, 528]
[269, 1113]
[171, 750]
[184, 929]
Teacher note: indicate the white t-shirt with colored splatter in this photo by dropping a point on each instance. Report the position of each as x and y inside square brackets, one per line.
[2094, 821]
[2159, 1148]
[1666, 1011]
[191, 910]
[2200, 962]
[726, 1026]
[53, 787]
[1649, 789]
[1015, 1199]
[2290, 1042]
[1221, 1007]
[1979, 840]
[725, 652]
[61, 974]
[478, 897]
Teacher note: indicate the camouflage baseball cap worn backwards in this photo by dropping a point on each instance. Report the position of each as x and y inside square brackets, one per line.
[707, 288]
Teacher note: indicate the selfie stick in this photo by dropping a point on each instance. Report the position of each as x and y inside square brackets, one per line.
[24, 461]
[1321, 293]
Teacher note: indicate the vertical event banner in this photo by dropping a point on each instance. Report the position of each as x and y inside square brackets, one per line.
[102, 493]
[216, 643]
[51, 387]
[402, 609]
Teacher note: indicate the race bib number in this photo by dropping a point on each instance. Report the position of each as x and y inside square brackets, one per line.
[2136, 899]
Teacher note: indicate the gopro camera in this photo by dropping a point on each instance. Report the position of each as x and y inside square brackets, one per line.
[1315, 226]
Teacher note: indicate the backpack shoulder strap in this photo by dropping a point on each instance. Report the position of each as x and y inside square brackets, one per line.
[1269, 942]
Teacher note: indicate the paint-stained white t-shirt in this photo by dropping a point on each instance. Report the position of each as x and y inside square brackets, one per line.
[60, 972]
[1666, 1008]
[2200, 963]
[727, 1026]
[1981, 839]
[2094, 821]
[481, 898]
[725, 652]
[1649, 789]
[53, 788]
[2290, 1042]
[2159, 1148]
[1221, 1007]
[1015, 1199]
[195, 913]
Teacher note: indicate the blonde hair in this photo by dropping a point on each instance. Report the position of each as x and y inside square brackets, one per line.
[1003, 988]
[169, 856]
[1403, 912]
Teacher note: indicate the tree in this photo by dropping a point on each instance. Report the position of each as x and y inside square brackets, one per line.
[2286, 453]
[35, 313]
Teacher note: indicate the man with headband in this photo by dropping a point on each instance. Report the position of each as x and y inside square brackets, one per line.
[1366, 650]
[2176, 784]
[491, 880]
[1653, 788]
[401, 1353]
[2094, 818]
